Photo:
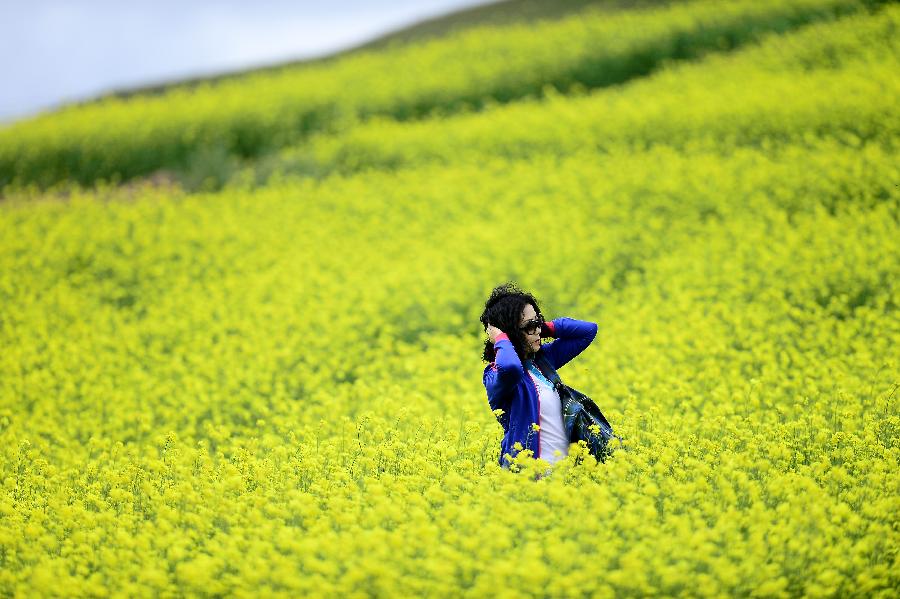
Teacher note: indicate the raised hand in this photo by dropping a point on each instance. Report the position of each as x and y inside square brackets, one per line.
[492, 332]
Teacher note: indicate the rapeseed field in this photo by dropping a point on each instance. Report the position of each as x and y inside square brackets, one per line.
[271, 385]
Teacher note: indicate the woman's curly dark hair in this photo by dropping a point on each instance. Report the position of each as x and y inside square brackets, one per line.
[504, 310]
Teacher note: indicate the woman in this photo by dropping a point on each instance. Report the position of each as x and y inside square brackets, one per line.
[532, 412]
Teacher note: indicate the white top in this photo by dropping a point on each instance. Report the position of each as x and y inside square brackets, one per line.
[553, 433]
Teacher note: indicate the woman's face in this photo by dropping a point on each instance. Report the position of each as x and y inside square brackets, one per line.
[532, 339]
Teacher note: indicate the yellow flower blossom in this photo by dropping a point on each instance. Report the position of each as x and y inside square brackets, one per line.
[274, 389]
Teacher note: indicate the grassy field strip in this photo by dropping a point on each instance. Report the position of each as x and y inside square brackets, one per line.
[840, 80]
[185, 128]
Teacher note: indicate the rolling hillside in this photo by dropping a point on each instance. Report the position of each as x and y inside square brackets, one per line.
[245, 118]
[266, 378]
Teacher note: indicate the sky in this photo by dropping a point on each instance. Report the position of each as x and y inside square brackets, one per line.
[55, 51]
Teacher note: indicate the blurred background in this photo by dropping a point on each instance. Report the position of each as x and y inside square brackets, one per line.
[59, 52]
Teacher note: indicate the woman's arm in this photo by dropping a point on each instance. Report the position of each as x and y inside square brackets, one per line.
[505, 371]
[572, 337]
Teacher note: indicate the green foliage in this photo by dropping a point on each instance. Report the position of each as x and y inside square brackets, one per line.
[836, 80]
[120, 139]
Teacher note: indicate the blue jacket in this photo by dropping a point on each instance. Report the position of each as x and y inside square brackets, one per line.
[511, 390]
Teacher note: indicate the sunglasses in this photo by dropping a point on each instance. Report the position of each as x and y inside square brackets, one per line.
[532, 326]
